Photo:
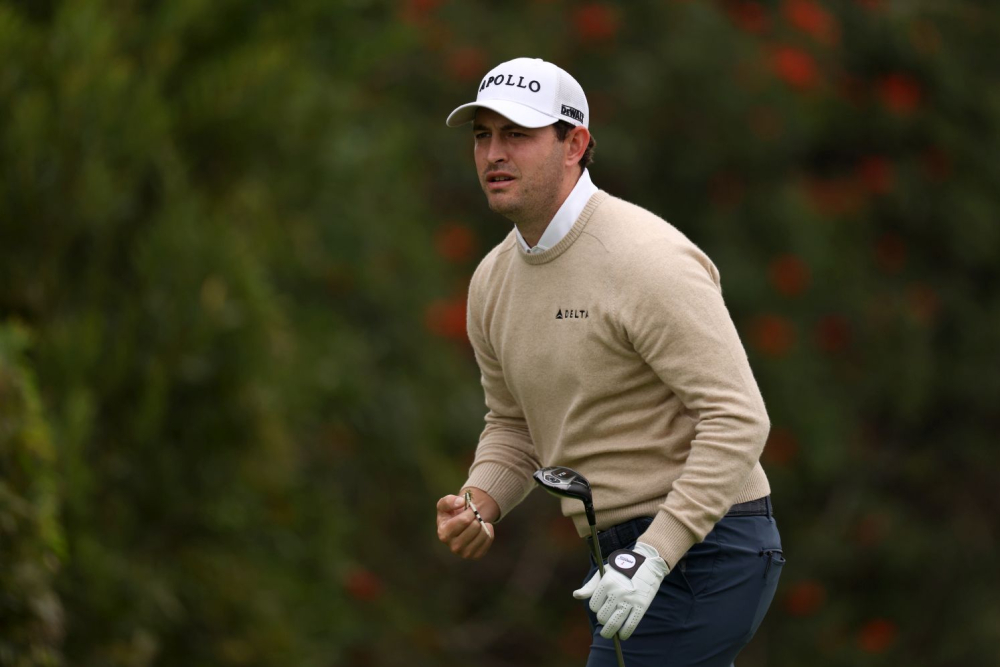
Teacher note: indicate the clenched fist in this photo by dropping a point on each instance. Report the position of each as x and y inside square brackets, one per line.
[458, 527]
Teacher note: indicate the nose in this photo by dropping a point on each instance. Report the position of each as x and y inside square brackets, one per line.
[496, 153]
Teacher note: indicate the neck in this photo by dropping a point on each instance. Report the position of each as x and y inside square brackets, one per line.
[532, 224]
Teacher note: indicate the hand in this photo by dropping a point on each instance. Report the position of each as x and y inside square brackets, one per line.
[621, 597]
[460, 530]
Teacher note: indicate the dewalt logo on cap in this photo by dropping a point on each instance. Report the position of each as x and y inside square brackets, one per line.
[575, 114]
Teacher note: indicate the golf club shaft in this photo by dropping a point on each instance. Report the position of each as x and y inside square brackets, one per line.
[600, 566]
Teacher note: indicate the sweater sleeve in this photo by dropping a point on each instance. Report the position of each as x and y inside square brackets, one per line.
[505, 457]
[677, 321]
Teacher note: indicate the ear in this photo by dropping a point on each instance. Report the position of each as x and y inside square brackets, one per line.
[576, 144]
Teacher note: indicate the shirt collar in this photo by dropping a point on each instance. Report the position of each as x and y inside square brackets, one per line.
[564, 218]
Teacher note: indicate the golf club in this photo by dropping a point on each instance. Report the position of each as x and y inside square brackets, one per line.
[568, 483]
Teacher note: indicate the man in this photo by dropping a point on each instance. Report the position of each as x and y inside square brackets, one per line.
[605, 346]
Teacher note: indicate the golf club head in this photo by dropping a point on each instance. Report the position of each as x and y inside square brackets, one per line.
[567, 483]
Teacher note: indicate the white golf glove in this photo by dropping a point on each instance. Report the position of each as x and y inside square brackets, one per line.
[622, 596]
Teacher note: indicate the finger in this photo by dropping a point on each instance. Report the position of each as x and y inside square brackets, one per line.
[447, 529]
[451, 528]
[455, 526]
[448, 504]
[484, 548]
[615, 622]
[486, 528]
[467, 536]
[606, 609]
[600, 596]
[629, 626]
[476, 545]
[588, 588]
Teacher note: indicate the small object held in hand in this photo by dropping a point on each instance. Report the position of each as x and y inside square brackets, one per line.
[470, 505]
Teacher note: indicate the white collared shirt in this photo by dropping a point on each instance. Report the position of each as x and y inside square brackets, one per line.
[564, 218]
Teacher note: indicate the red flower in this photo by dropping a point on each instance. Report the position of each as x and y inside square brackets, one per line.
[466, 63]
[455, 242]
[773, 335]
[795, 67]
[446, 318]
[805, 598]
[900, 93]
[875, 173]
[595, 22]
[748, 16]
[811, 18]
[789, 275]
[833, 333]
[363, 585]
[781, 447]
[877, 635]
[890, 253]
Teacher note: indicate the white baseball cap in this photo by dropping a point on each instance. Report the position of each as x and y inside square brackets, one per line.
[529, 91]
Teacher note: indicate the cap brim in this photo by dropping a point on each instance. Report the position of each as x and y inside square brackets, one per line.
[515, 111]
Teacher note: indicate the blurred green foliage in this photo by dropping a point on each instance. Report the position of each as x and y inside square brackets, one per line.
[235, 240]
[30, 534]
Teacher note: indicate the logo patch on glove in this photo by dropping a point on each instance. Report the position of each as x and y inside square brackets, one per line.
[625, 561]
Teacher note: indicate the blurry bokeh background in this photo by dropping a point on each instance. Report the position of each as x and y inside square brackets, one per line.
[235, 241]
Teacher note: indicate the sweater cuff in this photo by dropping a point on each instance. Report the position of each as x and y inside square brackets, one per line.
[669, 537]
[502, 483]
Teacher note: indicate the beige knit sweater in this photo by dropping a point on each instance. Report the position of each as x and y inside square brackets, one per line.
[613, 353]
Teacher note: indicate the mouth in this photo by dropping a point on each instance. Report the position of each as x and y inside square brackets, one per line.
[498, 181]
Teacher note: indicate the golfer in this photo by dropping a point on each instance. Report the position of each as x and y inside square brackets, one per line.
[605, 346]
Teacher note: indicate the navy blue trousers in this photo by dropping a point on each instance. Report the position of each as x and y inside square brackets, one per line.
[709, 605]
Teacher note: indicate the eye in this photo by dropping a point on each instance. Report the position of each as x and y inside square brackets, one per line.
[481, 135]
[516, 134]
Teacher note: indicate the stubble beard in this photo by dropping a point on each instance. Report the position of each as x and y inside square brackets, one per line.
[534, 200]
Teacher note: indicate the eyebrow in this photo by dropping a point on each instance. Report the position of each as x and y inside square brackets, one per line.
[503, 128]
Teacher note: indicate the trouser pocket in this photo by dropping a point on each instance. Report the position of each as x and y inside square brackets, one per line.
[774, 557]
[774, 562]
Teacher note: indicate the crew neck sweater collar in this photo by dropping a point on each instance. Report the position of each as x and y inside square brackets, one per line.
[564, 218]
[574, 232]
